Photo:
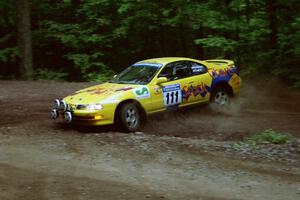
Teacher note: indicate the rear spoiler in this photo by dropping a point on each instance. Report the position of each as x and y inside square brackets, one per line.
[230, 63]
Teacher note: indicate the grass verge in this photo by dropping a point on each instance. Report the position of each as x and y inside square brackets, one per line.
[269, 136]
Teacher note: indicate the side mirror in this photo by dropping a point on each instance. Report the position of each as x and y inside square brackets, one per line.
[161, 80]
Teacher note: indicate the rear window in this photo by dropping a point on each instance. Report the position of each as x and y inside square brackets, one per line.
[197, 68]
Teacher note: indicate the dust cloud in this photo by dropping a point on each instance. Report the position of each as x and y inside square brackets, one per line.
[262, 104]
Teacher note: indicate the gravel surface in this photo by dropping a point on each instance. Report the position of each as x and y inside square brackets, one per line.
[185, 155]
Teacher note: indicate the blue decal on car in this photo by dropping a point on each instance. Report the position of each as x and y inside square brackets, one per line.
[158, 65]
[222, 75]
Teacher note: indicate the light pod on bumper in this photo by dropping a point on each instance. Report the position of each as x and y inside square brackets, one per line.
[62, 106]
[54, 114]
[68, 117]
[56, 104]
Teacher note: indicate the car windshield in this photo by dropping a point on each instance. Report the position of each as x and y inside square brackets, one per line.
[139, 73]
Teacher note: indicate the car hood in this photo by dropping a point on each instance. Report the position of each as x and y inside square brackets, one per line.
[99, 93]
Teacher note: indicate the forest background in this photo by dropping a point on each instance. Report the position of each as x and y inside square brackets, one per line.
[90, 40]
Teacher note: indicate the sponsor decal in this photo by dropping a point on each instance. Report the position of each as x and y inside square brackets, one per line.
[142, 92]
[198, 69]
[172, 95]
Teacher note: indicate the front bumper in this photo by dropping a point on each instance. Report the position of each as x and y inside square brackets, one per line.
[88, 117]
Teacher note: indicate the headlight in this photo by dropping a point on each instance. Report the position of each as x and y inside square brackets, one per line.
[98, 107]
[94, 107]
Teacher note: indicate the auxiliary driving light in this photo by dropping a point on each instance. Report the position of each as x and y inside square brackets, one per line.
[54, 114]
[68, 117]
[56, 104]
[62, 105]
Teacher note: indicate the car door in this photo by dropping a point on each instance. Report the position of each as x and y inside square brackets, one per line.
[198, 88]
[169, 94]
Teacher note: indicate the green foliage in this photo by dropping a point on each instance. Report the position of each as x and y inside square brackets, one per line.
[48, 74]
[9, 54]
[84, 61]
[99, 77]
[296, 81]
[90, 68]
[269, 136]
[93, 38]
[219, 43]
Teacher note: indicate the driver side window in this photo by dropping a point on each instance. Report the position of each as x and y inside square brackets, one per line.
[176, 70]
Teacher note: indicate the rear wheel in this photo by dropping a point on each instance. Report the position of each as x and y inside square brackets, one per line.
[129, 118]
[221, 97]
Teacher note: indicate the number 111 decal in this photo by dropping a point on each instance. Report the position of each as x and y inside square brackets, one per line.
[172, 94]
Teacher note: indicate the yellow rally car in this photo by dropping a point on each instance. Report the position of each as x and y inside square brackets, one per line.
[150, 86]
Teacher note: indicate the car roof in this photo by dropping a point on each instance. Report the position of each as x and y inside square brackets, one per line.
[166, 60]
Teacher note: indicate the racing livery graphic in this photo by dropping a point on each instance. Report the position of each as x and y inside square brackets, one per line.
[202, 89]
[147, 87]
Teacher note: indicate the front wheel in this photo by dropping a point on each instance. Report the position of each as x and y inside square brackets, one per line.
[129, 119]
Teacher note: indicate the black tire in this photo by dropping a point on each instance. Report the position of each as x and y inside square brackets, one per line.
[129, 118]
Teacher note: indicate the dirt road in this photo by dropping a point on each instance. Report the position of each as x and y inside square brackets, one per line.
[42, 159]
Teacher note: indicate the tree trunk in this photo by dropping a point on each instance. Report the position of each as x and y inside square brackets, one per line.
[162, 41]
[199, 48]
[24, 38]
[247, 11]
[272, 9]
